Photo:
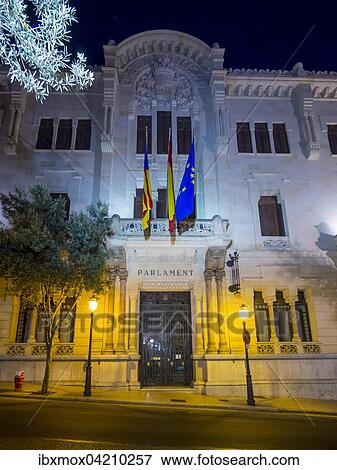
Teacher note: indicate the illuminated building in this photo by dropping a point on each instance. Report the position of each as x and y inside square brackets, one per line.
[266, 143]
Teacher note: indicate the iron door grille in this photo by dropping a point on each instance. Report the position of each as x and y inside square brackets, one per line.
[165, 339]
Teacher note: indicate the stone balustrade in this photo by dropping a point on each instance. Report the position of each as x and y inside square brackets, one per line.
[39, 349]
[216, 227]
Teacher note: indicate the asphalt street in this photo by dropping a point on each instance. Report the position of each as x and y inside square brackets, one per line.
[35, 424]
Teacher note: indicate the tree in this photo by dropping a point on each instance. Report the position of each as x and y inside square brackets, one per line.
[50, 259]
[37, 55]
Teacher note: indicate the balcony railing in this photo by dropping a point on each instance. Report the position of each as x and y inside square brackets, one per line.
[216, 227]
[39, 349]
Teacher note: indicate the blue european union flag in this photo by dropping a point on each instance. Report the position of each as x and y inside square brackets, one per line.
[185, 199]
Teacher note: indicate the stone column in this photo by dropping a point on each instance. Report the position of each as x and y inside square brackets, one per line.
[111, 310]
[270, 299]
[133, 323]
[223, 346]
[291, 299]
[199, 339]
[121, 348]
[32, 328]
[212, 323]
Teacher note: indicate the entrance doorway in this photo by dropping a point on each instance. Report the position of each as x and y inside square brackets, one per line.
[165, 339]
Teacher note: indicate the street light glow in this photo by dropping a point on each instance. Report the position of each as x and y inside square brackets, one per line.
[93, 304]
[243, 311]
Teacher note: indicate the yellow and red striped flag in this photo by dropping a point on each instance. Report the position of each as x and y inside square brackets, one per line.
[147, 192]
[170, 187]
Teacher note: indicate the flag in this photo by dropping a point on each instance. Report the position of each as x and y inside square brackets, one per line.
[185, 199]
[170, 187]
[147, 192]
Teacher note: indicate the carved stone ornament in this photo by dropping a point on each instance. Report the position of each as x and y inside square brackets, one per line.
[288, 349]
[311, 348]
[163, 84]
[64, 349]
[16, 350]
[265, 349]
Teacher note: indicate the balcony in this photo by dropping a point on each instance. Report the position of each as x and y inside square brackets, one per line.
[206, 228]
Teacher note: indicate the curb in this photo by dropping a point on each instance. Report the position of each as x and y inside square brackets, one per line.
[258, 408]
[263, 409]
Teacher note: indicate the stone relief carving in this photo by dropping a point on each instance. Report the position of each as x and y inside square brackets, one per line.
[278, 244]
[265, 349]
[163, 84]
[311, 348]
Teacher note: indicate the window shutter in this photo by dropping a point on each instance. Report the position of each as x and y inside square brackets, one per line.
[244, 138]
[64, 134]
[184, 134]
[163, 126]
[83, 134]
[271, 217]
[262, 137]
[144, 122]
[45, 134]
[332, 137]
[280, 138]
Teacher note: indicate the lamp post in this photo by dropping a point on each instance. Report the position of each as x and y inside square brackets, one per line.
[243, 313]
[87, 386]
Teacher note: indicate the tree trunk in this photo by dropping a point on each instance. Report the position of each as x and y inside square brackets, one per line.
[45, 383]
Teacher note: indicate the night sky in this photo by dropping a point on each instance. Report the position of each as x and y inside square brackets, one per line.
[255, 34]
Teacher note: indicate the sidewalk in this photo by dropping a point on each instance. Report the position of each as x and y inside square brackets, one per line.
[178, 398]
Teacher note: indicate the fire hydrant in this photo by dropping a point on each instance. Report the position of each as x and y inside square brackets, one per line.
[19, 379]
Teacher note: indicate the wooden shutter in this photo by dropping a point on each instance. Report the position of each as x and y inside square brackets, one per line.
[271, 217]
[45, 134]
[244, 138]
[332, 137]
[262, 138]
[64, 134]
[138, 204]
[163, 126]
[83, 134]
[184, 134]
[162, 204]
[144, 122]
[280, 138]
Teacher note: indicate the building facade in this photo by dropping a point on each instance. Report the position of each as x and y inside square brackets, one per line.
[266, 179]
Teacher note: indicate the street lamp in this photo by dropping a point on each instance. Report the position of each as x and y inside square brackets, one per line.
[243, 313]
[87, 387]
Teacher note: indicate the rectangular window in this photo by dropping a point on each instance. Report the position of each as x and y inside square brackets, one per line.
[262, 138]
[162, 204]
[244, 137]
[261, 318]
[83, 134]
[280, 138]
[163, 126]
[144, 122]
[138, 204]
[45, 134]
[41, 325]
[66, 199]
[22, 331]
[67, 322]
[184, 134]
[282, 318]
[64, 134]
[271, 217]
[332, 137]
[303, 319]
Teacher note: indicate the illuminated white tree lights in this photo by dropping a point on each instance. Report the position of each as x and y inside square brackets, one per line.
[37, 55]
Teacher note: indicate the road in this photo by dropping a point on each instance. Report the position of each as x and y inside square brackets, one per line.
[34, 424]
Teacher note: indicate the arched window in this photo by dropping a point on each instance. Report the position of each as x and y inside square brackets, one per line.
[271, 217]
